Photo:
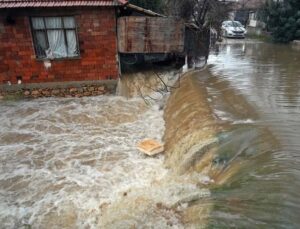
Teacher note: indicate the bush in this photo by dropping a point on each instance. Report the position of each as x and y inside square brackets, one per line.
[283, 19]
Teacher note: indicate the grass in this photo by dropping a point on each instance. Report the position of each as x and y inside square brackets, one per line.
[13, 97]
[262, 37]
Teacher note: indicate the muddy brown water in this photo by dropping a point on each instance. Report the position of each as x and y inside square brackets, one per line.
[265, 79]
[237, 121]
[232, 151]
[73, 163]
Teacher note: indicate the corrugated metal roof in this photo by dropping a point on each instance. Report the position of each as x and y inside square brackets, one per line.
[58, 3]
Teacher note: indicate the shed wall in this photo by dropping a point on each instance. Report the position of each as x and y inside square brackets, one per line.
[150, 35]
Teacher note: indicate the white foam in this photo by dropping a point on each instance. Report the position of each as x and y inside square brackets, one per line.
[247, 121]
[63, 159]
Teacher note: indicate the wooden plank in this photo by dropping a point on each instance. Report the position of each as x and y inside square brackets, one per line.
[150, 147]
[150, 35]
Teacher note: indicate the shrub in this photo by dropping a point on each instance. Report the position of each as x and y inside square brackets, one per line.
[283, 19]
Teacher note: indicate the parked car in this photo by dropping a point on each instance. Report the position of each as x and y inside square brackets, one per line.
[233, 29]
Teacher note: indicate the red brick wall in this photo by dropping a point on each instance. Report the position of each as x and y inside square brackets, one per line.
[97, 42]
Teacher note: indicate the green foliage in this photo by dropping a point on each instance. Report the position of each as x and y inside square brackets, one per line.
[154, 5]
[283, 19]
[14, 96]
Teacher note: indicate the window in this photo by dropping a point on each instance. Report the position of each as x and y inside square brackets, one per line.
[55, 37]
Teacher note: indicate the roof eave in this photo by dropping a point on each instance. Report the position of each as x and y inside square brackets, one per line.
[53, 4]
[144, 11]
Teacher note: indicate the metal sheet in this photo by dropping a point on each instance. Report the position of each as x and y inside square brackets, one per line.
[150, 35]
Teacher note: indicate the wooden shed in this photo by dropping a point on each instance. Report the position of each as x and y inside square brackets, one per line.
[150, 35]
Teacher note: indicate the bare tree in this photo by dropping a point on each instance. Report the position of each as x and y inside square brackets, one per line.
[205, 15]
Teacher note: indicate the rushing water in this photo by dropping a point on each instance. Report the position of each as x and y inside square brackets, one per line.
[232, 144]
[64, 160]
[264, 194]
[73, 163]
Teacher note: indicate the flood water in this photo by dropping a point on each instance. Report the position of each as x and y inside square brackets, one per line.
[73, 163]
[264, 194]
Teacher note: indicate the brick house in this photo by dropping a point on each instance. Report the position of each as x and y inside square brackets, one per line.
[58, 40]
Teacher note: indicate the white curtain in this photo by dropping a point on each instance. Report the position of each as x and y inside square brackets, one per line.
[69, 23]
[53, 23]
[41, 46]
[56, 38]
[72, 43]
[56, 29]
[41, 39]
[38, 23]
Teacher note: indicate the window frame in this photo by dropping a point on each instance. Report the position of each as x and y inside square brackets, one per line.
[34, 40]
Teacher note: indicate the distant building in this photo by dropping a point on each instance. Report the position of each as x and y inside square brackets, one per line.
[246, 11]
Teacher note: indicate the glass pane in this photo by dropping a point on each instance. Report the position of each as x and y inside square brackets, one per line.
[38, 23]
[53, 22]
[72, 43]
[57, 45]
[69, 22]
[41, 43]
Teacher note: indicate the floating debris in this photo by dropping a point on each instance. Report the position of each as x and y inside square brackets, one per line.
[150, 147]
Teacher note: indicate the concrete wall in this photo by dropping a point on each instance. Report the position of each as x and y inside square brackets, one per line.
[97, 43]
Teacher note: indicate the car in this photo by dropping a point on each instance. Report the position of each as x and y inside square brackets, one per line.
[233, 29]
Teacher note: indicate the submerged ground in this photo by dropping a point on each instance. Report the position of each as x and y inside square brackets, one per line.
[73, 163]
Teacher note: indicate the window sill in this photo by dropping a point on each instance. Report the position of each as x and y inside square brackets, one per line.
[59, 59]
